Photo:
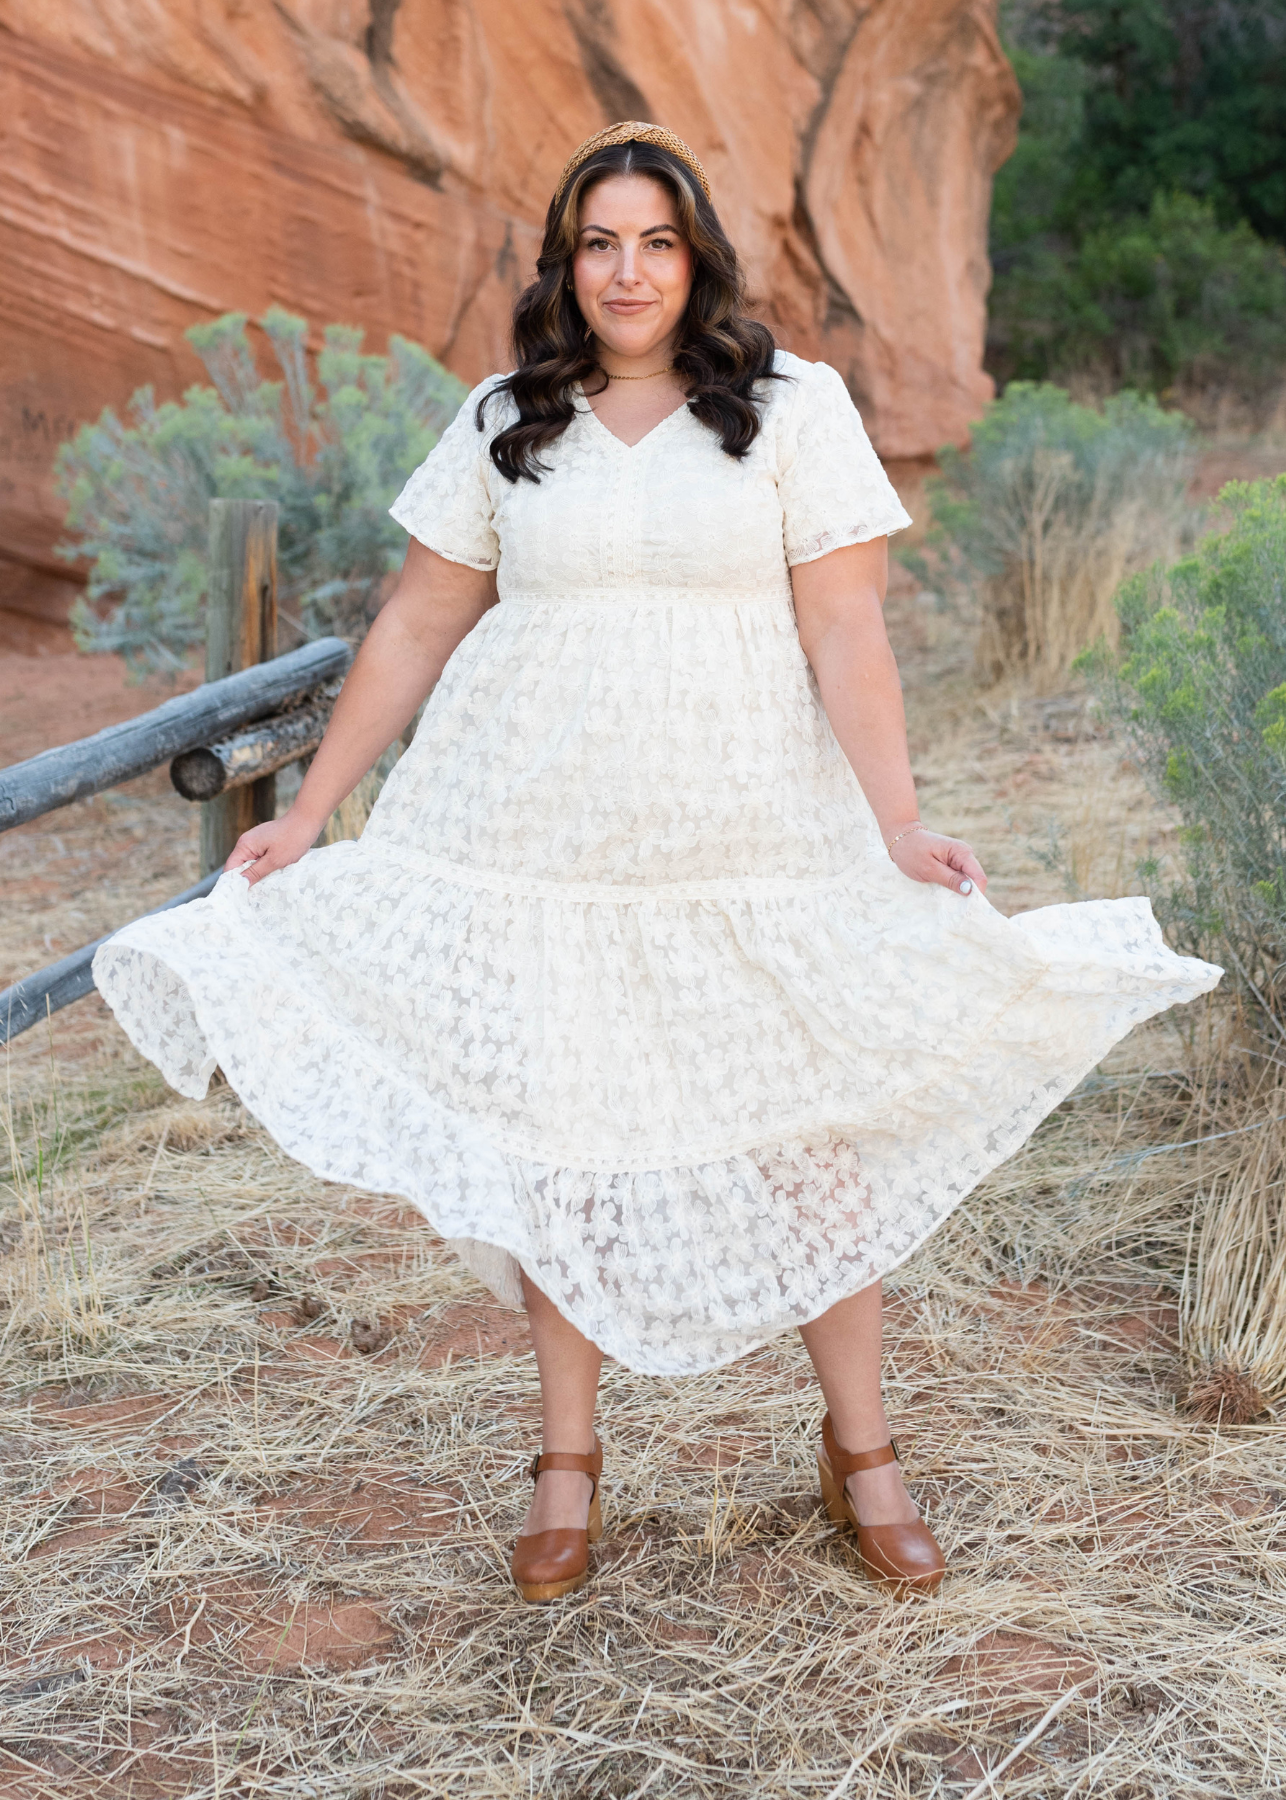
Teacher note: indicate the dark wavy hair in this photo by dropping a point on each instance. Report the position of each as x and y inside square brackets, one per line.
[721, 353]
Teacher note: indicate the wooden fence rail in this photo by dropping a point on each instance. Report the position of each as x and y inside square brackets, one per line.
[48, 990]
[212, 758]
[261, 749]
[189, 721]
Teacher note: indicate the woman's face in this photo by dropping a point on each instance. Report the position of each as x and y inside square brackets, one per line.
[632, 270]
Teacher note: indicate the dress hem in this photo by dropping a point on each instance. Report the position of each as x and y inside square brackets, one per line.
[485, 1155]
[1012, 1142]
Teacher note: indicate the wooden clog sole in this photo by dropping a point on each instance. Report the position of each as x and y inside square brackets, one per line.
[539, 1593]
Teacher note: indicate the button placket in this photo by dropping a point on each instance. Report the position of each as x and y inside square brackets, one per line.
[632, 514]
[612, 551]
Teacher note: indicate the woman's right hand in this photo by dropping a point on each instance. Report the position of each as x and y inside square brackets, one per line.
[929, 856]
[275, 845]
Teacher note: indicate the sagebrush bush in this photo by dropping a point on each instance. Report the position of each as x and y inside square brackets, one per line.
[1200, 685]
[1053, 505]
[332, 454]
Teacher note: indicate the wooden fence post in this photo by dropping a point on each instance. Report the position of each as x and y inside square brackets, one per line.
[241, 629]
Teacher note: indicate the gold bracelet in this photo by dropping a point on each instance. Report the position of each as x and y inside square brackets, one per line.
[901, 834]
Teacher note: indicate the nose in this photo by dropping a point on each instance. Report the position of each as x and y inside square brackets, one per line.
[627, 274]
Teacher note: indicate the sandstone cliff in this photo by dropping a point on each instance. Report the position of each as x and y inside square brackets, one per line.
[387, 162]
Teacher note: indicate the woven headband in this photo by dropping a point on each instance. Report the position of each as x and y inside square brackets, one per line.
[632, 131]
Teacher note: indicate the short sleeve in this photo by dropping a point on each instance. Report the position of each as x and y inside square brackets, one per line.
[832, 488]
[447, 503]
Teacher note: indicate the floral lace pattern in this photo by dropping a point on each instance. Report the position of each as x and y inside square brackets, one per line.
[619, 986]
[629, 744]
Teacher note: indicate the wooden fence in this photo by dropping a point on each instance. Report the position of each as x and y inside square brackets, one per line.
[224, 742]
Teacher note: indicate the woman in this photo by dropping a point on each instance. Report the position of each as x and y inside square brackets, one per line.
[646, 982]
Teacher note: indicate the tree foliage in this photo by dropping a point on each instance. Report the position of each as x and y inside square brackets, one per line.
[331, 447]
[1152, 302]
[1180, 95]
[1137, 230]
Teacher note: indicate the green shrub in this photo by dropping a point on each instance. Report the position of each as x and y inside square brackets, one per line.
[332, 455]
[1200, 683]
[1053, 505]
[1172, 299]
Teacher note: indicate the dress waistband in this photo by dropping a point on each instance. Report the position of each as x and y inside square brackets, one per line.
[635, 595]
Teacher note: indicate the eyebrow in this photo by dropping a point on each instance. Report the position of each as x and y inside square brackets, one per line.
[651, 231]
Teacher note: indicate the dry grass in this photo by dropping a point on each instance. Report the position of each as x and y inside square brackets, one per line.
[84, 870]
[248, 1559]
[1063, 568]
[1036, 782]
[1234, 1297]
[262, 1441]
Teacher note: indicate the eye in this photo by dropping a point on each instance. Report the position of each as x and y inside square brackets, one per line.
[598, 243]
[662, 243]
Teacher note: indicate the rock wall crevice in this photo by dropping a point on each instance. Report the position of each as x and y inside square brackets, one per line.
[618, 94]
[359, 89]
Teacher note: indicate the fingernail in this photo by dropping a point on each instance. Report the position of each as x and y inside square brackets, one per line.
[966, 886]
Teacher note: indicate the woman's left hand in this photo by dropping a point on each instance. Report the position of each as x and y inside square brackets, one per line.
[928, 856]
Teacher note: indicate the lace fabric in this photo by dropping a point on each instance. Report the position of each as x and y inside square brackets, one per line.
[672, 513]
[620, 986]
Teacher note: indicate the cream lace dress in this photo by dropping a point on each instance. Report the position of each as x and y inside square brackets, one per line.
[620, 984]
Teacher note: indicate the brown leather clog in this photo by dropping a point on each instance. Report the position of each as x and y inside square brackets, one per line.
[905, 1559]
[549, 1564]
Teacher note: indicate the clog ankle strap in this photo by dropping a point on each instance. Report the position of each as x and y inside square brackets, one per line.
[850, 1462]
[591, 1465]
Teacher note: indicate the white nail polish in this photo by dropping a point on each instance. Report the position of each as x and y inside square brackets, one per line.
[966, 886]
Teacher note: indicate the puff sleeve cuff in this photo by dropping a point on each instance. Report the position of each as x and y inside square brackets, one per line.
[447, 503]
[832, 487]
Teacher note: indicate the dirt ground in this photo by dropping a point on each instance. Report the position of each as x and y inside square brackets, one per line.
[261, 1439]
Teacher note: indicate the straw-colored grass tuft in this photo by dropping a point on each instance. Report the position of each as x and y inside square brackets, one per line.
[1222, 1394]
[1233, 1307]
[1055, 593]
[1052, 507]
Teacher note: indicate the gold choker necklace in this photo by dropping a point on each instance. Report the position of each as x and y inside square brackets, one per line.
[669, 369]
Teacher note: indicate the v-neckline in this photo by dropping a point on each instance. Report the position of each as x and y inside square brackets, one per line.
[620, 442]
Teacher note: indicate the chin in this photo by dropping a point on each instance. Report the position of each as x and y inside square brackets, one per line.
[631, 343]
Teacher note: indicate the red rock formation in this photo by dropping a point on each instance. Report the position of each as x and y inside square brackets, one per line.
[387, 162]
